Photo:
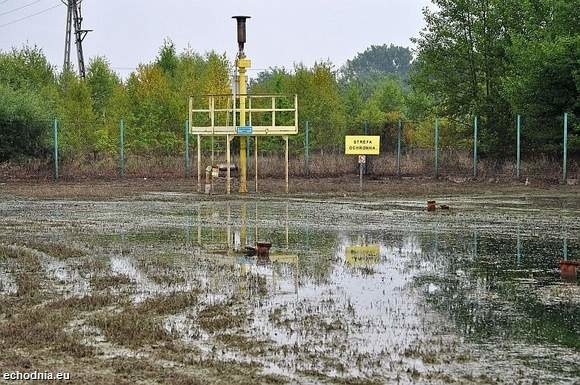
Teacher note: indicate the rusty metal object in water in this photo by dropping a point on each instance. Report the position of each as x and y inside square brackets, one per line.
[263, 249]
[569, 269]
[431, 205]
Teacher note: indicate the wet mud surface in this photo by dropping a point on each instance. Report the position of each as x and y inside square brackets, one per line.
[154, 288]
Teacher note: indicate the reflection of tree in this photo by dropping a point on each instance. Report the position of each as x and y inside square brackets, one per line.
[481, 295]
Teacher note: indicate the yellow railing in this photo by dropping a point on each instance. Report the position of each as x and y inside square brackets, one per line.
[221, 117]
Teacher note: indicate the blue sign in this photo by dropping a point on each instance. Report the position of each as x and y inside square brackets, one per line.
[244, 130]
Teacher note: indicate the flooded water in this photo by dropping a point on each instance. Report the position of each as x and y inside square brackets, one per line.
[380, 290]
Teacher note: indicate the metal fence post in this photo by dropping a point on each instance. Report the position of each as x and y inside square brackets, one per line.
[55, 139]
[186, 150]
[399, 150]
[199, 163]
[366, 165]
[306, 151]
[436, 147]
[122, 148]
[475, 147]
[518, 150]
[565, 160]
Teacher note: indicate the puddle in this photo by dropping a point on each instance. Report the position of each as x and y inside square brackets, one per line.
[371, 290]
[8, 283]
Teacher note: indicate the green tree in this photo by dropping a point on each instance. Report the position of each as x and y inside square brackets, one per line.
[24, 122]
[155, 124]
[75, 110]
[321, 104]
[378, 61]
[383, 110]
[543, 81]
[462, 60]
[26, 69]
[496, 58]
[354, 102]
[167, 59]
[108, 102]
[102, 82]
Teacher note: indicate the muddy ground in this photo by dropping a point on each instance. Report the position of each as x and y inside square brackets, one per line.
[298, 187]
[145, 281]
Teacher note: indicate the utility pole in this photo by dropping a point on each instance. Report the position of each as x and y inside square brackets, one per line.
[74, 17]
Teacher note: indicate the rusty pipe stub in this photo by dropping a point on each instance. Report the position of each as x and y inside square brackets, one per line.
[263, 249]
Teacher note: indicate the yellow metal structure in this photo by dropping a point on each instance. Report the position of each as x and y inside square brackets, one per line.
[225, 114]
[231, 116]
[362, 145]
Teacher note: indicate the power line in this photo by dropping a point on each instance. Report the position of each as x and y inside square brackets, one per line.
[19, 8]
[29, 16]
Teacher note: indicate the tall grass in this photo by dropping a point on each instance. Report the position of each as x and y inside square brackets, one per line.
[413, 163]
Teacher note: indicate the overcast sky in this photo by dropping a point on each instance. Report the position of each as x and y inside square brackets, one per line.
[280, 33]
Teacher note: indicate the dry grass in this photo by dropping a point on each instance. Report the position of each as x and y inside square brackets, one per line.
[250, 345]
[131, 328]
[414, 162]
[87, 303]
[221, 317]
[30, 169]
[56, 250]
[169, 304]
[30, 325]
[109, 281]
[42, 327]
[27, 273]
[132, 369]
[140, 325]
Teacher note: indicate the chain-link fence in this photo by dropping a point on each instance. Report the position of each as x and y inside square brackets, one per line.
[430, 148]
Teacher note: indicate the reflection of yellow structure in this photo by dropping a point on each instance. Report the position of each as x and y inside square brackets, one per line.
[230, 251]
[362, 255]
[267, 267]
[288, 260]
[283, 258]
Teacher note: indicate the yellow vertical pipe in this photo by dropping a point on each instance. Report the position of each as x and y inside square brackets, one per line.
[198, 163]
[243, 64]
